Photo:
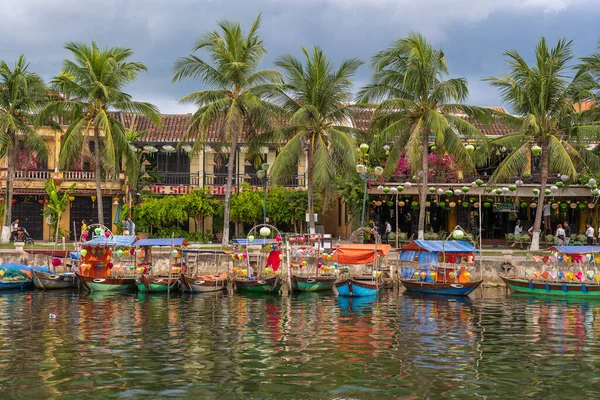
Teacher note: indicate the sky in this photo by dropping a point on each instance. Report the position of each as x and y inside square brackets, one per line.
[473, 33]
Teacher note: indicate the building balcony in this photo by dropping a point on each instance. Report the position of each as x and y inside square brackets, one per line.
[194, 180]
[34, 180]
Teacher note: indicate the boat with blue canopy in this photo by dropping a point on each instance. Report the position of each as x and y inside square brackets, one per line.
[59, 275]
[565, 277]
[148, 280]
[425, 274]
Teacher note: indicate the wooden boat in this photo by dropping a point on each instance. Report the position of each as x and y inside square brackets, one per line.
[14, 276]
[446, 280]
[267, 285]
[204, 283]
[50, 281]
[563, 288]
[158, 283]
[356, 287]
[361, 254]
[95, 270]
[108, 284]
[551, 284]
[312, 284]
[440, 288]
[147, 281]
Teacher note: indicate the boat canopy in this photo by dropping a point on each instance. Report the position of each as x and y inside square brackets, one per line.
[206, 251]
[428, 250]
[161, 242]
[255, 242]
[440, 246]
[115, 240]
[575, 250]
[358, 254]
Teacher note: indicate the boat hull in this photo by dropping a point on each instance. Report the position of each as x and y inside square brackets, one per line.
[562, 289]
[92, 284]
[45, 281]
[202, 284]
[440, 288]
[269, 285]
[157, 284]
[312, 284]
[358, 287]
[24, 284]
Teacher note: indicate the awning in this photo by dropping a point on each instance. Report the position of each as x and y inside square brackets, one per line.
[355, 254]
[115, 240]
[206, 252]
[575, 249]
[161, 242]
[440, 246]
[255, 242]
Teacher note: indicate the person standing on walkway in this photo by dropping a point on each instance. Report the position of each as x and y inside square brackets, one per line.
[567, 229]
[589, 233]
[130, 226]
[547, 210]
[388, 229]
[518, 231]
[560, 235]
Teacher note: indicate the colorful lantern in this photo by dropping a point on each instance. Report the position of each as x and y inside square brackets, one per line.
[98, 231]
[56, 262]
[478, 182]
[458, 234]
[251, 238]
[83, 252]
[109, 265]
[536, 150]
[84, 235]
[107, 234]
[469, 148]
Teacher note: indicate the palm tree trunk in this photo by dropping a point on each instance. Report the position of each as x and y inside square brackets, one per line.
[229, 185]
[98, 173]
[309, 187]
[423, 187]
[10, 178]
[537, 225]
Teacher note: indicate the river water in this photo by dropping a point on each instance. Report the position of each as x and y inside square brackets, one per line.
[227, 345]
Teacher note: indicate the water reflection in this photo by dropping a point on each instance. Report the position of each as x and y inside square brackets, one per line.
[308, 345]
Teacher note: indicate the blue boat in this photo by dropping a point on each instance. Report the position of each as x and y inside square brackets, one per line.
[431, 279]
[355, 287]
[15, 276]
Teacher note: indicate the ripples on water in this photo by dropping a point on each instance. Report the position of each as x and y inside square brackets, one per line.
[303, 346]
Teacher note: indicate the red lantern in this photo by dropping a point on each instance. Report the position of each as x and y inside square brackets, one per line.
[56, 262]
[84, 235]
[41, 201]
[14, 201]
[145, 270]
[107, 234]
[292, 240]
[109, 265]
[131, 251]
[319, 264]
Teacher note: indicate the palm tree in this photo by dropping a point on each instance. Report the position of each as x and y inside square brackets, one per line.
[316, 99]
[417, 106]
[22, 94]
[549, 121]
[235, 101]
[91, 86]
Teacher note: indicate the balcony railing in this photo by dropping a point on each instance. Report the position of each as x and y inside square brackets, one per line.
[34, 174]
[79, 175]
[197, 179]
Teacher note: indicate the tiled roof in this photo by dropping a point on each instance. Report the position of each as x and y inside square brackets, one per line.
[361, 119]
[174, 126]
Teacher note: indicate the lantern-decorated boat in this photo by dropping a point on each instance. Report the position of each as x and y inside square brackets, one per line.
[308, 273]
[14, 276]
[369, 256]
[150, 280]
[97, 271]
[53, 278]
[425, 275]
[566, 278]
[257, 261]
[201, 272]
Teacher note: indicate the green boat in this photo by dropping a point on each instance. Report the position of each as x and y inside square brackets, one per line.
[157, 284]
[268, 285]
[93, 284]
[312, 284]
[552, 288]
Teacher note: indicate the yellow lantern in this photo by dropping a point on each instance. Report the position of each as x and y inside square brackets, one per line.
[93, 198]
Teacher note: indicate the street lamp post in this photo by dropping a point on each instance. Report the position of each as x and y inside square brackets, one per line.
[365, 174]
[262, 174]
